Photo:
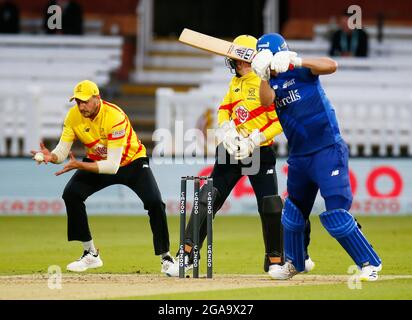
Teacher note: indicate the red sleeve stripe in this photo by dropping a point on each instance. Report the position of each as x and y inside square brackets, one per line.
[270, 108]
[113, 106]
[91, 144]
[120, 123]
[229, 106]
[138, 150]
[256, 113]
[267, 125]
[129, 137]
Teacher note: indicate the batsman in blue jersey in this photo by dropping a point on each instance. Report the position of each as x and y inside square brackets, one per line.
[318, 156]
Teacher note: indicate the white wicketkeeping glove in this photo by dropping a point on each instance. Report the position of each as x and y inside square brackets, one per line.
[261, 63]
[247, 145]
[231, 137]
[282, 59]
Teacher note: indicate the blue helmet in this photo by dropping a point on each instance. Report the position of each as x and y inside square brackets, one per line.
[272, 41]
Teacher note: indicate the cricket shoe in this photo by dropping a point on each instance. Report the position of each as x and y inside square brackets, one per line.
[282, 272]
[167, 264]
[86, 261]
[173, 270]
[287, 270]
[309, 265]
[369, 273]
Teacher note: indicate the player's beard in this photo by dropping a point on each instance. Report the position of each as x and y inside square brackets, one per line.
[91, 114]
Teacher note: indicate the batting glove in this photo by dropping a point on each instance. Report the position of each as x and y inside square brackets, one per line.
[295, 60]
[231, 137]
[261, 63]
[282, 59]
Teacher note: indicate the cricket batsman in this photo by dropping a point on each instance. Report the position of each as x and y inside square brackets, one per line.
[115, 155]
[246, 127]
[318, 156]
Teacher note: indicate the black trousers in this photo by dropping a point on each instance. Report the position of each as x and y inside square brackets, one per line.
[264, 181]
[226, 174]
[137, 176]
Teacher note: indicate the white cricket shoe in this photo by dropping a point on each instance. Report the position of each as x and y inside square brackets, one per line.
[370, 273]
[282, 272]
[86, 261]
[287, 270]
[173, 269]
[309, 265]
[168, 264]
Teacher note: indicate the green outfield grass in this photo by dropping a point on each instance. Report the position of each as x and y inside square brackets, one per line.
[31, 244]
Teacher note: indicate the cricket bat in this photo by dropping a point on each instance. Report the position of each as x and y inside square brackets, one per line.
[216, 45]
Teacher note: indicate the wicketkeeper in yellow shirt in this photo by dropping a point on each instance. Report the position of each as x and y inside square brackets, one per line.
[247, 128]
[114, 155]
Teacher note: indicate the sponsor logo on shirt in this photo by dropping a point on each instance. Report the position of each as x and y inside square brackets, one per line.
[100, 150]
[242, 114]
[117, 134]
[293, 96]
[288, 83]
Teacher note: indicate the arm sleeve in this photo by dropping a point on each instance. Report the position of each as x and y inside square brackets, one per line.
[112, 163]
[273, 127]
[62, 150]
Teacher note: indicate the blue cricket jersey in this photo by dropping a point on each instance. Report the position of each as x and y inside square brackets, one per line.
[305, 113]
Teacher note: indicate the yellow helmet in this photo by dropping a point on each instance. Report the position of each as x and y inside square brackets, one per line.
[246, 41]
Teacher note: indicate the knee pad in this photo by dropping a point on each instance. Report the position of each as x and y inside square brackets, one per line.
[294, 235]
[342, 226]
[203, 195]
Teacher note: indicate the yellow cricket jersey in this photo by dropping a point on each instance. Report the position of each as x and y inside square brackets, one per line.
[111, 128]
[242, 105]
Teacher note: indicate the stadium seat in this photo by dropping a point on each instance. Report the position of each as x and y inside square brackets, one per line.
[37, 75]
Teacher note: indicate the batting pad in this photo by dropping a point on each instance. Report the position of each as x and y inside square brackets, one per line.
[342, 226]
[293, 235]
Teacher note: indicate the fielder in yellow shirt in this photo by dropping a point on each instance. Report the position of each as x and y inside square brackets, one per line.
[114, 155]
[247, 128]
